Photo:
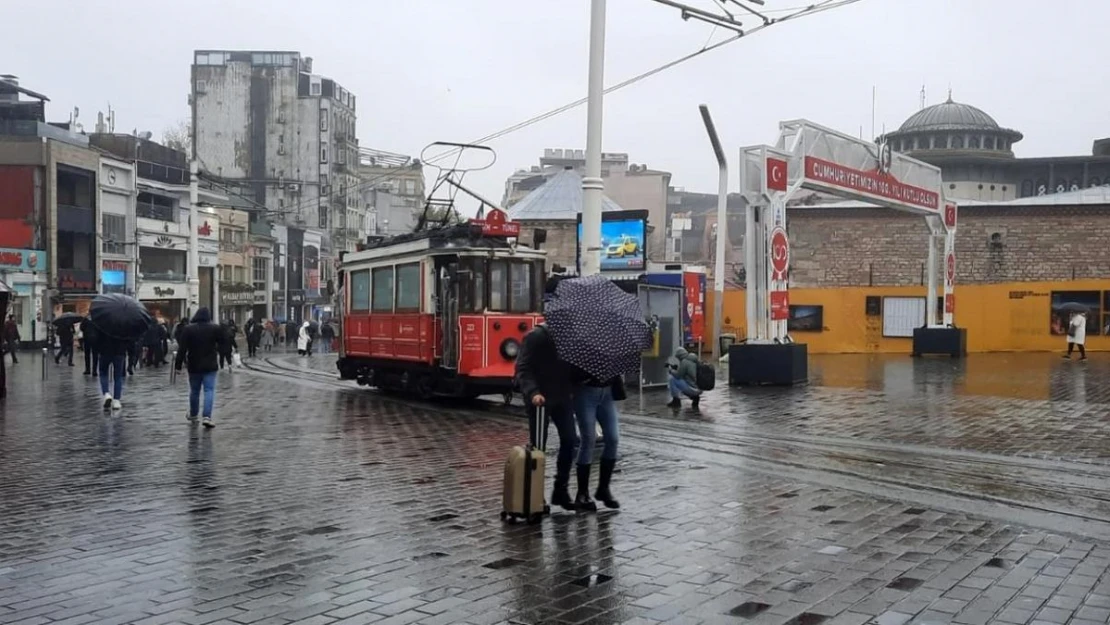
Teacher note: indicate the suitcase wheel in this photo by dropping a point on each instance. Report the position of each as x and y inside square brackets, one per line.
[535, 518]
[504, 515]
[546, 510]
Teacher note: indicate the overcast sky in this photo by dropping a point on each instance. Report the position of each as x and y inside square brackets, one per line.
[427, 70]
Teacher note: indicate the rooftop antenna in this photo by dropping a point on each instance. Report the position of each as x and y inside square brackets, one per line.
[950, 93]
[922, 95]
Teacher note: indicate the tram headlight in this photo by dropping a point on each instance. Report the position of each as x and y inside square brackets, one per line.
[509, 349]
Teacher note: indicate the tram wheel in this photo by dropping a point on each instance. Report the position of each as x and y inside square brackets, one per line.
[426, 387]
[507, 398]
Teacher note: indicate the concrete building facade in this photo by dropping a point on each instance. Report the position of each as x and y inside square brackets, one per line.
[392, 190]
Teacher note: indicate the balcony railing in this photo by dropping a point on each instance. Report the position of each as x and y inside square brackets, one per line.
[161, 212]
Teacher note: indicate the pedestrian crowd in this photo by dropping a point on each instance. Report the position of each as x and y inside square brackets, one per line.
[199, 345]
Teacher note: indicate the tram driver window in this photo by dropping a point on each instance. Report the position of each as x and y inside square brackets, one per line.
[382, 290]
[472, 285]
[498, 285]
[360, 291]
[520, 287]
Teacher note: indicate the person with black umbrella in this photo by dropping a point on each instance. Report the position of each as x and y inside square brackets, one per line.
[65, 342]
[601, 331]
[120, 321]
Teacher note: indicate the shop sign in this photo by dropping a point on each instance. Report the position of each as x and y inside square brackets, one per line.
[296, 298]
[236, 298]
[874, 183]
[163, 291]
[76, 280]
[260, 297]
[22, 260]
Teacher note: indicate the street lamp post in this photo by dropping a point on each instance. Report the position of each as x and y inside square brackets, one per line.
[592, 184]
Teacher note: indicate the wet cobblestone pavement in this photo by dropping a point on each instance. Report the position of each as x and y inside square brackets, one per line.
[889, 491]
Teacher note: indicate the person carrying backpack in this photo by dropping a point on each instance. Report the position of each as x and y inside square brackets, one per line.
[683, 379]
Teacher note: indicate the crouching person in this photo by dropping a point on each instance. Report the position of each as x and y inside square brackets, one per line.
[684, 379]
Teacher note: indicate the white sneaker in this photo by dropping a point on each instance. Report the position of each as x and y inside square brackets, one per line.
[107, 400]
[191, 418]
[208, 423]
[116, 405]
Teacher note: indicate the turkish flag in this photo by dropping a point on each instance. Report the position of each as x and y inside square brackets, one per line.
[776, 174]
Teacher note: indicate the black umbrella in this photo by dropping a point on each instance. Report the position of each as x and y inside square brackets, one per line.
[68, 318]
[1073, 307]
[119, 317]
[597, 327]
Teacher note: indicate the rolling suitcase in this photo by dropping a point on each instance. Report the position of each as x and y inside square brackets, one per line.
[524, 473]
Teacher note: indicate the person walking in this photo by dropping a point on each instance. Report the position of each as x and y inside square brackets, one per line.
[303, 338]
[267, 339]
[544, 381]
[198, 349]
[134, 355]
[92, 357]
[327, 335]
[254, 337]
[683, 379]
[65, 343]
[227, 346]
[113, 365]
[1077, 335]
[152, 341]
[595, 405]
[11, 337]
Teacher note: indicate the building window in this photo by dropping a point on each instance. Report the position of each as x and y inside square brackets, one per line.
[323, 153]
[324, 121]
[258, 273]
[957, 142]
[973, 142]
[314, 89]
[323, 180]
[322, 217]
[114, 233]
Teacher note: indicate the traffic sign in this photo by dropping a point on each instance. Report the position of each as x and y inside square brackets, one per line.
[780, 253]
[950, 268]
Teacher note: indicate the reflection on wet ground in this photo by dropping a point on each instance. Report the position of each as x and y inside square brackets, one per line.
[889, 490]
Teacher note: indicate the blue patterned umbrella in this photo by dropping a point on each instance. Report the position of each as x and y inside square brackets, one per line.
[597, 327]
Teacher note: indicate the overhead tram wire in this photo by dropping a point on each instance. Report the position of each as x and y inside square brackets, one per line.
[812, 9]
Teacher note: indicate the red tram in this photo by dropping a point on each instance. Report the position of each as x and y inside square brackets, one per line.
[440, 311]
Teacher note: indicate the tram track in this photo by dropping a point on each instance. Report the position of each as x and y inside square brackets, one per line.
[1058, 495]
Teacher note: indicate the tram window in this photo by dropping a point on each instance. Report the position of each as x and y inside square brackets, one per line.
[408, 287]
[498, 285]
[520, 287]
[360, 290]
[538, 285]
[383, 290]
[478, 286]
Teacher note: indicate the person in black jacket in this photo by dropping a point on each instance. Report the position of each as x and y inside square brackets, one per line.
[92, 357]
[545, 381]
[65, 341]
[199, 348]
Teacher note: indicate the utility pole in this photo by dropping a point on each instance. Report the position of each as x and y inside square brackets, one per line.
[722, 230]
[194, 243]
[592, 184]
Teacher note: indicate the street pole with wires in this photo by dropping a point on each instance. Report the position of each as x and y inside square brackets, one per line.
[194, 242]
[592, 184]
[722, 230]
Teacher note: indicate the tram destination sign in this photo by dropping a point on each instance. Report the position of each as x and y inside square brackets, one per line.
[871, 183]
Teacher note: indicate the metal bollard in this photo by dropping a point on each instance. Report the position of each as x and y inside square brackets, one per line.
[44, 357]
[173, 368]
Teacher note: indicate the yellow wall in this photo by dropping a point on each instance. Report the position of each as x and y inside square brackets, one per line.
[1009, 317]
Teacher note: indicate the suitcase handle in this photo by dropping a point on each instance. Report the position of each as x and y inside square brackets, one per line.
[538, 427]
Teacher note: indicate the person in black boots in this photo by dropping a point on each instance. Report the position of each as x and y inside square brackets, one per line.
[92, 357]
[594, 405]
[545, 381]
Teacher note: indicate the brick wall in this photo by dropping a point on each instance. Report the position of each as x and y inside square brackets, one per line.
[854, 247]
[561, 243]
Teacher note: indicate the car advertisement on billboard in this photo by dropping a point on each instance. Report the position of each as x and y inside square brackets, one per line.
[623, 240]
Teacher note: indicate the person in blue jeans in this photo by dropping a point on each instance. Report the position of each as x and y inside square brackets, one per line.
[112, 366]
[198, 348]
[594, 405]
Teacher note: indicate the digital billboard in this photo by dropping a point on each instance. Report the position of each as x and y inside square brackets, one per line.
[623, 240]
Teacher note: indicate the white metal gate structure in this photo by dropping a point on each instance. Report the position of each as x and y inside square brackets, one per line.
[810, 156]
